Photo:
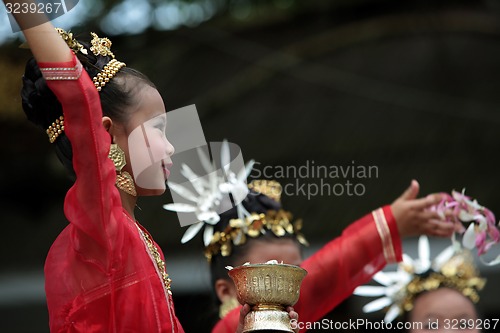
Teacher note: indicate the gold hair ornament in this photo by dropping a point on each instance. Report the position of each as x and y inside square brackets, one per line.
[458, 273]
[100, 46]
[453, 268]
[72, 43]
[55, 129]
[269, 188]
[107, 73]
[278, 222]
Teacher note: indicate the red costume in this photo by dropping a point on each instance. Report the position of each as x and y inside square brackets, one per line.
[346, 262]
[100, 274]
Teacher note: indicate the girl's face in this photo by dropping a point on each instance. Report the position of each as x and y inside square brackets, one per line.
[443, 310]
[145, 143]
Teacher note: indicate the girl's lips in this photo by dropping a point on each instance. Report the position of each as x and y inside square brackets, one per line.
[165, 168]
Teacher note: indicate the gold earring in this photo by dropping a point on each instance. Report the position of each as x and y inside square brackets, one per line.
[124, 180]
[227, 305]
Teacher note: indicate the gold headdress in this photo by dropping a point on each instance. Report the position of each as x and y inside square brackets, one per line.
[270, 188]
[100, 46]
[55, 129]
[458, 273]
[212, 194]
[450, 269]
[278, 222]
[72, 43]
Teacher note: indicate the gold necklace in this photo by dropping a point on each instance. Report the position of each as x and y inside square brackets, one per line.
[160, 264]
[155, 255]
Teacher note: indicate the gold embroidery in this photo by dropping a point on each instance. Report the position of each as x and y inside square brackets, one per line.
[155, 255]
[160, 264]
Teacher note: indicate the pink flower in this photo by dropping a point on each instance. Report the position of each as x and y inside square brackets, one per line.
[494, 233]
[481, 232]
[481, 242]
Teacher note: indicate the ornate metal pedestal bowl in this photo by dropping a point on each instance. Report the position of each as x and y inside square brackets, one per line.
[269, 289]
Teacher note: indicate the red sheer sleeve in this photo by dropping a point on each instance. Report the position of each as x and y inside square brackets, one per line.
[99, 274]
[346, 262]
[93, 204]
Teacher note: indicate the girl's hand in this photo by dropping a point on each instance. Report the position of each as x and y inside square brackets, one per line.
[245, 309]
[414, 217]
[293, 316]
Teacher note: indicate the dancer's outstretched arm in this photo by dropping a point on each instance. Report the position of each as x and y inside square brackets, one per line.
[43, 39]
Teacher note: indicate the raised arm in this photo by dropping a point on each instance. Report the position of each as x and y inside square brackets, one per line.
[43, 39]
[340, 266]
[364, 248]
[93, 205]
[348, 261]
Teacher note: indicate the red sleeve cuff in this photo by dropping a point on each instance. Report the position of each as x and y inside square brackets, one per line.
[393, 227]
[389, 234]
[68, 70]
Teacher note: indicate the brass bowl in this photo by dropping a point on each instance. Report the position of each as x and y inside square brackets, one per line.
[268, 289]
[268, 284]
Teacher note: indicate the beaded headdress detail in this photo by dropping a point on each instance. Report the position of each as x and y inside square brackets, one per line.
[72, 43]
[100, 47]
[279, 223]
[452, 268]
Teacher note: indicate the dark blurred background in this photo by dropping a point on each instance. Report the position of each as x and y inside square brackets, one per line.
[407, 87]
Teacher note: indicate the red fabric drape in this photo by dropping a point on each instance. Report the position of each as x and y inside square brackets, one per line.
[99, 275]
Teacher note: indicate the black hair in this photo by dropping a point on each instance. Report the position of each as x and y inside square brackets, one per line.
[42, 107]
[253, 203]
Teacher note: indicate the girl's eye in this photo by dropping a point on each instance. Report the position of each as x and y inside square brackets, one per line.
[160, 127]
